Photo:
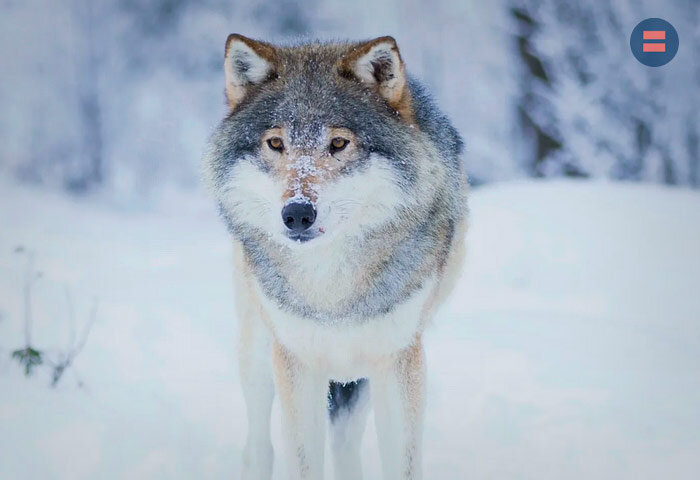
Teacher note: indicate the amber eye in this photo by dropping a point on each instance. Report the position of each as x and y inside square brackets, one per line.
[337, 144]
[275, 143]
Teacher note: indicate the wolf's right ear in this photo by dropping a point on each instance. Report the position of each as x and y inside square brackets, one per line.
[246, 63]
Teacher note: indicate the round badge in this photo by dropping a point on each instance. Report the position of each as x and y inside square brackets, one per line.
[654, 42]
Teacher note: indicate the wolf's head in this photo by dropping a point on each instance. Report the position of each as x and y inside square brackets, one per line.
[326, 143]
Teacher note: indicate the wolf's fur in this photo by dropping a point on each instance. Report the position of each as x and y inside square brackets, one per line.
[385, 248]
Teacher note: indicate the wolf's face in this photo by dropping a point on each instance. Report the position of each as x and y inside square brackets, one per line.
[321, 143]
[315, 186]
[306, 189]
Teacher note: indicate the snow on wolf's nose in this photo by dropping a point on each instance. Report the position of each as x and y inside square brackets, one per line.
[303, 177]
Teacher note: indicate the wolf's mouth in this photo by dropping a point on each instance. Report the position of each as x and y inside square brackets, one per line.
[301, 237]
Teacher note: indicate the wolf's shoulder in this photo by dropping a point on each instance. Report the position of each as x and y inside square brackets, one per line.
[434, 122]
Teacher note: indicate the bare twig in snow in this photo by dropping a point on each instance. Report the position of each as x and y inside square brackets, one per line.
[75, 347]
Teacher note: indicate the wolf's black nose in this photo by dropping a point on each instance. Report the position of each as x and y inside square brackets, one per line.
[298, 216]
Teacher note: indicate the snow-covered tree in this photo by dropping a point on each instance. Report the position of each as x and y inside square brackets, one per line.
[51, 120]
[587, 107]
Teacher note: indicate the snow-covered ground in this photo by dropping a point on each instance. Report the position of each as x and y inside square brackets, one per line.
[570, 350]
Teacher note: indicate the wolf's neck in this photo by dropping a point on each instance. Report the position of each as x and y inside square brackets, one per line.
[329, 276]
[349, 279]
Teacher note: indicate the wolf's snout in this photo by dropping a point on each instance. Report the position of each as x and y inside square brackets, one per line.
[298, 216]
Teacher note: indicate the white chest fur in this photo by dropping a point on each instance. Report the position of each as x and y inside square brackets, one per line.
[346, 349]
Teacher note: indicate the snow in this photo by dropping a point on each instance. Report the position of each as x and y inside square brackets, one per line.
[571, 348]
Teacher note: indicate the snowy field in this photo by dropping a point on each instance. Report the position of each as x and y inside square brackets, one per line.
[570, 350]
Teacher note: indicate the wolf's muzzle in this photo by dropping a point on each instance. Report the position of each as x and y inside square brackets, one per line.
[298, 216]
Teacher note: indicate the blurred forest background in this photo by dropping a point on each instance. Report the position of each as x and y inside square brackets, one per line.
[119, 96]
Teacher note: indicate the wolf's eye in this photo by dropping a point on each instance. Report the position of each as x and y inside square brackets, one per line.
[337, 144]
[275, 143]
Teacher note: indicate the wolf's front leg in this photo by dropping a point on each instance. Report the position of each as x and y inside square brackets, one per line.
[398, 395]
[303, 394]
[258, 390]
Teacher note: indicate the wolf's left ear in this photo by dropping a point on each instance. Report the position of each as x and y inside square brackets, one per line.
[247, 63]
[378, 64]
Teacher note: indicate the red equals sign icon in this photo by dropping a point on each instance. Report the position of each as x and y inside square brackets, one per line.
[654, 35]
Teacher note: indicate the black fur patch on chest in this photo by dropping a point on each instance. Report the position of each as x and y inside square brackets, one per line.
[342, 397]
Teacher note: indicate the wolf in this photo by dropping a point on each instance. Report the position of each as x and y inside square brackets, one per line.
[343, 189]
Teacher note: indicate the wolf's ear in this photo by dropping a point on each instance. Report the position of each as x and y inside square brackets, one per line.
[378, 64]
[246, 63]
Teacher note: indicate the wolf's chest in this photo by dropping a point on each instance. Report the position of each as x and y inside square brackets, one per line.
[347, 347]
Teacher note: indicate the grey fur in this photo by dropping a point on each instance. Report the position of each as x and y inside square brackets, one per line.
[307, 94]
